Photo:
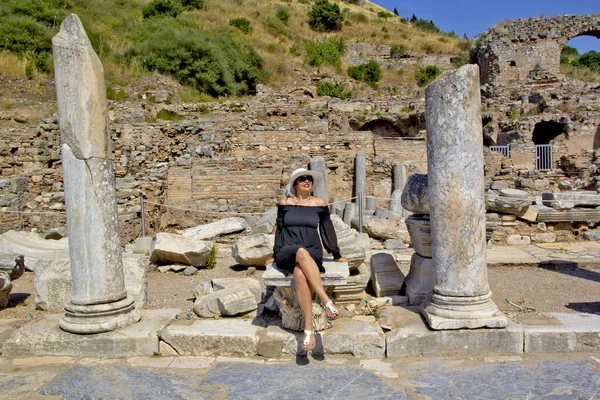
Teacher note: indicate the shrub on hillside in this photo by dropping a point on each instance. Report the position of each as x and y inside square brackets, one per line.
[397, 51]
[243, 24]
[332, 90]
[424, 25]
[20, 34]
[569, 51]
[590, 59]
[47, 12]
[325, 52]
[369, 72]
[212, 63]
[428, 74]
[283, 14]
[325, 16]
[461, 59]
[162, 8]
[193, 4]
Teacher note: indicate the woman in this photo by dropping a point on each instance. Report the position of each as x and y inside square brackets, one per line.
[298, 249]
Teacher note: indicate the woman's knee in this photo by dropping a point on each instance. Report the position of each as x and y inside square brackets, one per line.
[302, 254]
[299, 277]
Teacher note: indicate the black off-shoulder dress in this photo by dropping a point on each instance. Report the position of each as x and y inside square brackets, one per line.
[297, 227]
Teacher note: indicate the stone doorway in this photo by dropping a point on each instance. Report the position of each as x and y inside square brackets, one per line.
[546, 131]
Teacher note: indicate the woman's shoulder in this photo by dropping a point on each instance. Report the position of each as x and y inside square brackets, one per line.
[284, 201]
[320, 202]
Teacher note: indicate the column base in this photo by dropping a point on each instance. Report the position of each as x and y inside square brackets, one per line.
[420, 279]
[291, 315]
[98, 318]
[449, 312]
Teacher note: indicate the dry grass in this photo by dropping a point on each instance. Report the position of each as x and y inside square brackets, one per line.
[582, 74]
[11, 65]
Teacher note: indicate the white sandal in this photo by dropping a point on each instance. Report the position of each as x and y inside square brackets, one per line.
[306, 341]
[332, 309]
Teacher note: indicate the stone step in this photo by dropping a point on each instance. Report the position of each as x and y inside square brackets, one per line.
[44, 338]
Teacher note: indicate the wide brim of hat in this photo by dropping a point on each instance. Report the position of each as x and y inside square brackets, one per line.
[316, 175]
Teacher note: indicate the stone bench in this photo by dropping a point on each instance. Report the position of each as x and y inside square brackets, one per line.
[285, 294]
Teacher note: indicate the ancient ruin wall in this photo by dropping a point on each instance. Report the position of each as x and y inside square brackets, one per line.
[529, 50]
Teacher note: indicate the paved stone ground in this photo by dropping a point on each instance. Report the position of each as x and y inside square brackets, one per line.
[500, 377]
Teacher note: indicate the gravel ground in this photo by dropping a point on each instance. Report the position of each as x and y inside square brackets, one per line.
[546, 290]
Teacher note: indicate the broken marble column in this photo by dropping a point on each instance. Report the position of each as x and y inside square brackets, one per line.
[318, 164]
[99, 302]
[398, 183]
[370, 203]
[337, 206]
[360, 177]
[461, 296]
[350, 211]
[421, 276]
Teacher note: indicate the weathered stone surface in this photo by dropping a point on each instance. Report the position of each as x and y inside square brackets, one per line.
[420, 279]
[99, 301]
[518, 240]
[572, 333]
[497, 185]
[33, 247]
[353, 291]
[589, 235]
[250, 284]
[396, 203]
[354, 246]
[386, 277]
[52, 282]
[56, 233]
[545, 237]
[506, 205]
[227, 302]
[414, 339]
[168, 248]
[547, 214]
[360, 178]
[380, 228]
[415, 197]
[143, 245]
[462, 297]
[12, 267]
[253, 249]
[359, 338]
[43, 337]
[267, 222]
[419, 228]
[514, 194]
[321, 190]
[217, 228]
[568, 200]
[234, 337]
[395, 244]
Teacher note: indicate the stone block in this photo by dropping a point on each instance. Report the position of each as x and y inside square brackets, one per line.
[143, 245]
[359, 338]
[386, 277]
[250, 284]
[419, 228]
[52, 282]
[547, 214]
[497, 185]
[233, 337]
[226, 302]
[545, 237]
[335, 274]
[44, 338]
[571, 333]
[415, 339]
[568, 200]
[381, 228]
[415, 196]
[253, 250]
[266, 222]
[170, 248]
[217, 228]
[518, 240]
[33, 247]
[420, 279]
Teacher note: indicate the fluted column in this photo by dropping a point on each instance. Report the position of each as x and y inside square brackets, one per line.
[462, 297]
[99, 302]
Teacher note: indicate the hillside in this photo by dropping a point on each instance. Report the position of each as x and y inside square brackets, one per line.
[278, 32]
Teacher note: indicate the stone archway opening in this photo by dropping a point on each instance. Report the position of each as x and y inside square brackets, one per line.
[571, 62]
[546, 131]
[408, 127]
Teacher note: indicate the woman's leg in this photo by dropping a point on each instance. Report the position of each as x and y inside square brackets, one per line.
[311, 273]
[304, 298]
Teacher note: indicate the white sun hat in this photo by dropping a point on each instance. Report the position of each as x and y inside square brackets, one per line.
[316, 175]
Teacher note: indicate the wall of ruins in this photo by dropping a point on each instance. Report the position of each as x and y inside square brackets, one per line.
[529, 49]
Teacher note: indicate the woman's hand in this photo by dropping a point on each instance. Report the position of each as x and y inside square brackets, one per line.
[341, 259]
[270, 260]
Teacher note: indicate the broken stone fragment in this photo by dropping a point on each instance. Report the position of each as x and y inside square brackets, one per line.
[170, 248]
[253, 249]
[415, 196]
[11, 268]
[217, 228]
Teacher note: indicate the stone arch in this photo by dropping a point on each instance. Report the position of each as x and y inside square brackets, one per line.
[384, 128]
[546, 131]
[528, 50]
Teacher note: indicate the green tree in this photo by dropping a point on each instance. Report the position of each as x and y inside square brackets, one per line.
[426, 75]
[591, 60]
[325, 16]
[396, 11]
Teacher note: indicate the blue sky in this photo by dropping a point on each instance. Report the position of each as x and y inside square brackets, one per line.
[476, 16]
